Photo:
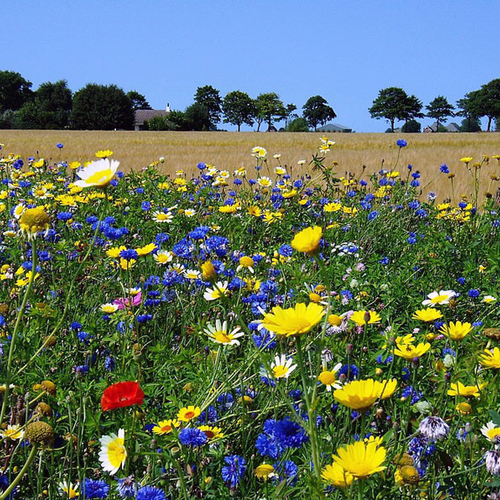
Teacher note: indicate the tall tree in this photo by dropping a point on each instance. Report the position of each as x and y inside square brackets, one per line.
[392, 103]
[487, 101]
[14, 91]
[469, 110]
[440, 109]
[269, 109]
[102, 107]
[238, 109]
[197, 117]
[412, 109]
[209, 97]
[317, 112]
[138, 100]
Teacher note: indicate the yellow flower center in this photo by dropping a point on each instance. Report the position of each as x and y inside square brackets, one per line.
[34, 220]
[222, 337]
[116, 452]
[101, 178]
[280, 371]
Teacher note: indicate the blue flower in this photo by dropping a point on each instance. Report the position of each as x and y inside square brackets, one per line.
[150, 493]
[474, 292]
[372, 215]
[233, 470]
[401, 143]
[130, 254]
[126, 487]
[95, 489]
[444, 169]
[59, 145]
[192, 437]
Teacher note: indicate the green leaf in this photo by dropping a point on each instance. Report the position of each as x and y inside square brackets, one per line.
[495, 417]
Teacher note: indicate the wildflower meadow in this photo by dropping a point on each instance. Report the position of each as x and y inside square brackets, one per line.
[254, 334]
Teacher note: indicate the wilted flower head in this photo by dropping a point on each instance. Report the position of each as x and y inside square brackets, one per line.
[434, 428]
[492, 460]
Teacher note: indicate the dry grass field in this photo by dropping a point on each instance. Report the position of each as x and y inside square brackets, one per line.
[231, 150]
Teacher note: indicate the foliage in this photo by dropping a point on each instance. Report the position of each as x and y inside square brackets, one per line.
[412, 127]
[209, 98]
[297, 125]
[317, 112]
[138, 100]
[440, 109]
[14, 91]
[50, 108]
[393, 103]
[238, 109]
[270, 108]
[470, 125]
[102, 107]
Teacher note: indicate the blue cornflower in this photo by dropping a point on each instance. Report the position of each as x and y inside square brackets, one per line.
[384, 261]
[59, 145]
[401, 143]
[192, 437]
[161, 238]
[146, 205]
[372, 215]
[411, 392]
[414, 204]
[474, 292]
[201, 166]
[150, 493]
[233, 470]
[126, 487]
[4, 484]
[109, 363]
[267, 446]
[286, 470]
[351, 372]
[95, 489]
[64, 216]
[289, 434]
[461, 280]
[129, 254]
[444, 169]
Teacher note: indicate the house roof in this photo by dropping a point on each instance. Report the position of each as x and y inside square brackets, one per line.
[143, 115]
[333, 126]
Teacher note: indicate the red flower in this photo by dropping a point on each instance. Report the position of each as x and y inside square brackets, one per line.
[122, 394]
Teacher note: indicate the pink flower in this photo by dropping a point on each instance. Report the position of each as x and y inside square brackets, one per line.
[124, 302]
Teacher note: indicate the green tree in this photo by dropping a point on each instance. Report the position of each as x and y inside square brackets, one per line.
[411, 127]
[197, 117]
[469, 109]
[412, 109]
[440, 109]
[210, 98]
[50, 109]
[269, 109]
[238, 108]
[14, 91]
[487, 101]
[102, 107]
[138, 100]
[393, 103]
[317, 112]
[298, 124]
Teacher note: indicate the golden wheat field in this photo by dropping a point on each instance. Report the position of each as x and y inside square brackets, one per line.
[231, 150]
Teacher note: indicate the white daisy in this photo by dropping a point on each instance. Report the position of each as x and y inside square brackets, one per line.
[282, 367]
[163, 257]
[219, 333]
[220, 289]
[113, 452]
[439, 298]
[98, 173]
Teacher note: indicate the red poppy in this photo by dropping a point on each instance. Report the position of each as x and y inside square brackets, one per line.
[122, 394]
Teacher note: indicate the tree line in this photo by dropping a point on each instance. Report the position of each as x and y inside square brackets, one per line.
[394, 104]
[107, 107]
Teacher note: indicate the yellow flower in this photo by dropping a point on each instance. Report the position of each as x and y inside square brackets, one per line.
[429, 314]
[336, 476]
[464, 408]
[208, 271]
[335, 319]
[332, 207]
[456, 331]
[145, 250]
[255, 211]
[34, 220]
[114, 252]
[69, 490]
[187, 414]
[113, 452]
[490, 359]
[491, 431]
[246, 262]
[104, 153]
[308, 240]
[14, 432]
[361, 394]
[329, 377]
[466, 159]
[165, 426]
[410, 351]
[468, 391]
[211, 432]
[293, 321]
[264, 471]
[388, 388]
[99, 173]
[362, 317]
[361, 459]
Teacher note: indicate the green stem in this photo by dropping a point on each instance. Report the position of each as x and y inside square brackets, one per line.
[16, 328]
[18, 478]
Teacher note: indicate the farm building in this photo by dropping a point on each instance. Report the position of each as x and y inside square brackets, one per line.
[335, 127]
[143, 115]
[452, 127]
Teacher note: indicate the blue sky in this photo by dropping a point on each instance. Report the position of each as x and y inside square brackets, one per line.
[345, 51]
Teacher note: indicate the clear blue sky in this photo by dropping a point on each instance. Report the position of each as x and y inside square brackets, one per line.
[345, 51]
